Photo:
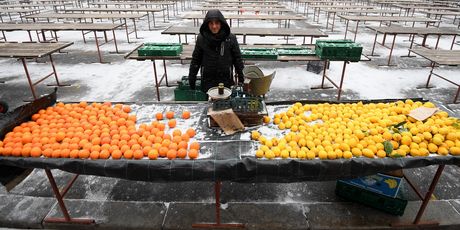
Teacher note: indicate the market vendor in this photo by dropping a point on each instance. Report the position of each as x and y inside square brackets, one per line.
[216, 52]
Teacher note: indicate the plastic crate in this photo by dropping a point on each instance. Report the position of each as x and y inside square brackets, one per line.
[184, 84]
[151, 50]
[161, 44]
[189, 95]
[295, 52]
[271, 54]
[334, 41]
[338, 51]
[394, 206]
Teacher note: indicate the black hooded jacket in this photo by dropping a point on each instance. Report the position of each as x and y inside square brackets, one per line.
[216, 54]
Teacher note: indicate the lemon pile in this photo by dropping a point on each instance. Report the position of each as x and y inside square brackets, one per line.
[331, 131]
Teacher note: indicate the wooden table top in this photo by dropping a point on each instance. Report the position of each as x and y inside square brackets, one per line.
[58, 26]
[313, 32]
[442, 57]
[30, 50]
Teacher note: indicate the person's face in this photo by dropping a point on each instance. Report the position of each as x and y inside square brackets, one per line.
[214, 26]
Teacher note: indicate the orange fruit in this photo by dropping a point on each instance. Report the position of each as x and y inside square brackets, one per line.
[193, 153]
[182, 153]
[146, 150]
[182, 145]
[158, 140]
[138, 154]
[47, 152]
[73, 153]
[16, 152]
[163, 151]
[195, 145]
[116, 154]
[177, 139]
[35, 152]
[94, 155]
[170, 114]
[159, 116]
[176, 132]
[153, 154]
[136, 147]
[60, 136]
[186, 114]
[191, 132]
[25, 151]
[65, 153]
[126, 109]
[146, 143]
[104, 154]
[26, 138]
[128, 154]
[56, 153]
[83, 154]
[185, 137]
[173, 146]
[172, 123]
[171, 154]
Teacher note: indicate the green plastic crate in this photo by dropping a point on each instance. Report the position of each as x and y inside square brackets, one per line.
[189, 95]
[161, 44]
[183, 84]
[271, 54]
[334, 41]
[338, 51]
[295, 52]
[160, 50]
[394, 206]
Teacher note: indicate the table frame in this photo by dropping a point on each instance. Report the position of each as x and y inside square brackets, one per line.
[411, 38]
[433, 65]
[41, 37]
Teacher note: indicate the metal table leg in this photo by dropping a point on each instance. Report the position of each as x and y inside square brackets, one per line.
[417, 221]
[217, 224]
[59, 198]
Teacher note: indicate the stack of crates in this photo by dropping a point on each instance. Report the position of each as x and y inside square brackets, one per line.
[338, 50]
[259, 53]
[183, 92]
[160, 49]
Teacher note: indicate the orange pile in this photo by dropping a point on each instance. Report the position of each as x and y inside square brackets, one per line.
[97, 131]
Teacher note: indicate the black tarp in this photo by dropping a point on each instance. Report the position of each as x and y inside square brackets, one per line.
[230, 160]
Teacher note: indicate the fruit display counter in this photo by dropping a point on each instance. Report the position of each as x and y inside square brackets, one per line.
[173, 142]
[302, 141]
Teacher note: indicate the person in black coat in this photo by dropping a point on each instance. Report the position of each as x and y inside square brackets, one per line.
[216, 53]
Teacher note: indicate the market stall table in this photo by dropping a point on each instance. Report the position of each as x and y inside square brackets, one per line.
[382, 19]
[437, 58]
[187, 55]
[412, 31]
[120, 10]
[20, 12]
[92, 16]
[312, 33]
[42, 28]
[56, 6]
[317, 9]
[228, 159]
[138, 4]
[25, 51]
[334, 12]
[287, 18]
[413, 8]
[241, 10]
